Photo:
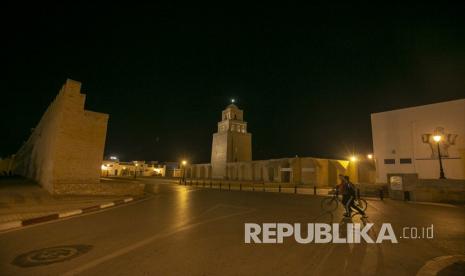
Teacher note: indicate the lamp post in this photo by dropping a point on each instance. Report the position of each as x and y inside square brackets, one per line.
[135, 170]
[437, 139]
[183, 172]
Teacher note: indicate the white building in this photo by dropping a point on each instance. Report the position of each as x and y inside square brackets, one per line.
[403, 141]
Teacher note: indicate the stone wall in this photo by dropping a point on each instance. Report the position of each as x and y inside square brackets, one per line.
[67, 145]
[106, 188]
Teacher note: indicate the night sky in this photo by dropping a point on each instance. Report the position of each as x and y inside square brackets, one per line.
[307, 77]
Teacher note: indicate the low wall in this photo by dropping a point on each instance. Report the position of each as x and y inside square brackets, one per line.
[109, 188]
[428, 190]
[439, 190]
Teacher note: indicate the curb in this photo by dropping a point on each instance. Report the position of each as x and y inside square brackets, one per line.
[21, 223]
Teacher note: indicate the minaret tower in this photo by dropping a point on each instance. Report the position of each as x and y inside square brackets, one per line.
[231, 143]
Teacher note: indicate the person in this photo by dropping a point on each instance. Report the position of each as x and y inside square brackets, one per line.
[348, 197]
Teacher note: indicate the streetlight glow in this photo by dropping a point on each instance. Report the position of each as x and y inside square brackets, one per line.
[184, 162]
[437, 138]
[370, 156]
[353, 158]
[233, 100]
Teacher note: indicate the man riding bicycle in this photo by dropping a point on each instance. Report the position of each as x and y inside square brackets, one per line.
[347, 189]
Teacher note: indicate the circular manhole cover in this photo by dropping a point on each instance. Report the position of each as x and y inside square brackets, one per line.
[50, 255]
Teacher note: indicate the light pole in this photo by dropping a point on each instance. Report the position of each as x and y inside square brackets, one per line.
[437, 139]
[135, 170]
[183, 166]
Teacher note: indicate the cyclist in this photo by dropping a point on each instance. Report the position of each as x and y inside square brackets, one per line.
[348, 197]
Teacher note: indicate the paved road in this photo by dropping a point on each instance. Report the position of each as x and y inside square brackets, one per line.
[187, 231]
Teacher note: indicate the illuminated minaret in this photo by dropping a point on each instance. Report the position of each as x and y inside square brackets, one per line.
[231, 143]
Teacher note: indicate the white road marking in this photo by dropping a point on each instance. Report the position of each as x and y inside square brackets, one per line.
[72, 217]
[70, 213]
[144, 242]
[106, 205]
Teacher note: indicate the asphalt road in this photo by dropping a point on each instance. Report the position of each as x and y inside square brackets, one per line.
[188, 231]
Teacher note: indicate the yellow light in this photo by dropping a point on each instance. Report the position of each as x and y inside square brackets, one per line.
[124, 168]
[370, 156]
[437, 138]
[184, 162]
[104, 167]
[137, 165]
[353, 158]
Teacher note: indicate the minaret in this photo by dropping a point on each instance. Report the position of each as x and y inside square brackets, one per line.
[231, 143]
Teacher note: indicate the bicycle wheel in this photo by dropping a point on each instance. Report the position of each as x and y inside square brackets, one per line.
[329, 204]
[362, 204]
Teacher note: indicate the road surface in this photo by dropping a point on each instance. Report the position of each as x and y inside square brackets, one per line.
[191, 231]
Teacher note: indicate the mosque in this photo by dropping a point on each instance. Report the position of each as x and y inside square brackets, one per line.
[231, 159]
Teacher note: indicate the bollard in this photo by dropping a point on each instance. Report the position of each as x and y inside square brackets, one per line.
[279, 188]
[314, 190]
[381, 194]
[295, 189]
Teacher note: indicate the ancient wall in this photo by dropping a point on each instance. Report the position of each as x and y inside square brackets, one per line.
[297, 170]
[67, 145]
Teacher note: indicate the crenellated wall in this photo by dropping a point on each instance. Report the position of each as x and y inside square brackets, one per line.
[67, 145]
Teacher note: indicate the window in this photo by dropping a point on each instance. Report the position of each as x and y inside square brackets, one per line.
[405, 161]
[389, 161]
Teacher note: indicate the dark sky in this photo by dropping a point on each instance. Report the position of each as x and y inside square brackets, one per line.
[307, 77]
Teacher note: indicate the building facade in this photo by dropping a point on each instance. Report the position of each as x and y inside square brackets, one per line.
[403, 141]
[133, 168]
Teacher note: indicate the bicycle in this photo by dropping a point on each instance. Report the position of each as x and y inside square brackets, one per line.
[330, 204]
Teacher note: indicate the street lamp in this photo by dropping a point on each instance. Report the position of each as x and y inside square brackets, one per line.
[135, 170]
[353, 158]
[437, 139]
[370, 156]
[183, 170]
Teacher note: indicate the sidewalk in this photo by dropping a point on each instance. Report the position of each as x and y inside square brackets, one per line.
[22, 199]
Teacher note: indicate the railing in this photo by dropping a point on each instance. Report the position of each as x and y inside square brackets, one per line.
[226, 185]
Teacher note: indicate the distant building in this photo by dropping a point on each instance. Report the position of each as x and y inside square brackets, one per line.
[140, 168]
[403, 141]
[231, 159]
